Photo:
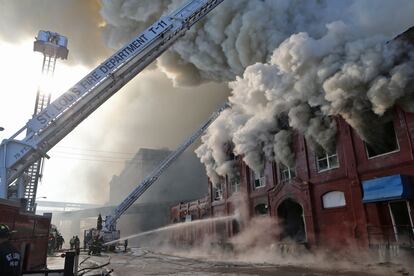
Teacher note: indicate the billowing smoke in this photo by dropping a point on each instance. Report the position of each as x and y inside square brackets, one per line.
[297, 65]
[237, 34]
[307, 83]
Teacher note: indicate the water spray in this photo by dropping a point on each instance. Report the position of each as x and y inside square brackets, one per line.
[176, 226]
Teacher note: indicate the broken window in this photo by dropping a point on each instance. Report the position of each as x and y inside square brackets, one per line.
[326, 161]
[258, 179]
[235, 184]
[218, 191]
[384, 139]
[286, 173]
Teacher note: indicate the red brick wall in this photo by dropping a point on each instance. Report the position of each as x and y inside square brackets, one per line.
[334, 227]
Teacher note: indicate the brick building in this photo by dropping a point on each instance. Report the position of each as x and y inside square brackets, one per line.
[358, 195]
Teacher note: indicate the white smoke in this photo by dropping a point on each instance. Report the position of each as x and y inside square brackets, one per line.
[237, 34]
[297, 64]
[215, 150]
[310, 81]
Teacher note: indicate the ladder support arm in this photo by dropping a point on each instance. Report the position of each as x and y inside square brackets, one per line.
[110, 221]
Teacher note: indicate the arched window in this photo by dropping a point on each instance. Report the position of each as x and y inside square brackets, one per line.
[333, 199]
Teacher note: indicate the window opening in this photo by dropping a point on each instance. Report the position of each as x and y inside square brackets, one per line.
[286, 173]
[402, 222]
[385, 141]
[258, 180]
[235, 184]
[260, 209]
[218, 191]
[333, 199]
[327, 161]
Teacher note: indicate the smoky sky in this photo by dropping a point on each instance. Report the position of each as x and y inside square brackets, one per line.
[148, 112]
[76, 19]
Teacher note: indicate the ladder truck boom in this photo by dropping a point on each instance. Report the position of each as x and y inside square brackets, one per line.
[110, 221]
[59, 118]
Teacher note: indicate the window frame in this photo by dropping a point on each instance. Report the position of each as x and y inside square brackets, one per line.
[282, 168]
[326, 157]
[386, 153]
[234, 185]
[336, 206]
[261, 179]
[218, 192]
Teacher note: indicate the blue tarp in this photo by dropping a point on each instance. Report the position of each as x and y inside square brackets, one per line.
[387, 188]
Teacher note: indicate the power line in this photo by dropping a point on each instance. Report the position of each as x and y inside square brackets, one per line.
[89, 155]
[95, 150]
[110, 160]
[99, 157]
[95, 160]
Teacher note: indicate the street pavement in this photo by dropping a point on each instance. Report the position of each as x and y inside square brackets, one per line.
[141, 261]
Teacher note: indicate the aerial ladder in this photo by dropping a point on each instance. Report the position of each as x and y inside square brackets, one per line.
[60, 117]
[109, 231]
[53, 46]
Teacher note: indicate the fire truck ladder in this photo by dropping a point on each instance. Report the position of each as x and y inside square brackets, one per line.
[34, 173]
[110, 221]
[62, 115]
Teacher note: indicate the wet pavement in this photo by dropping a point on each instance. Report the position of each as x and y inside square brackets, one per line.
[139, 261]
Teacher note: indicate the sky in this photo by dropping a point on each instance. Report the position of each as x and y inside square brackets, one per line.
[147, 112]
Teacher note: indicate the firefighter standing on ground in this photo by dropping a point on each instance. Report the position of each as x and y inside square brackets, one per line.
[125, 245]
[77, 245]
[10, 258]
[72, 243]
